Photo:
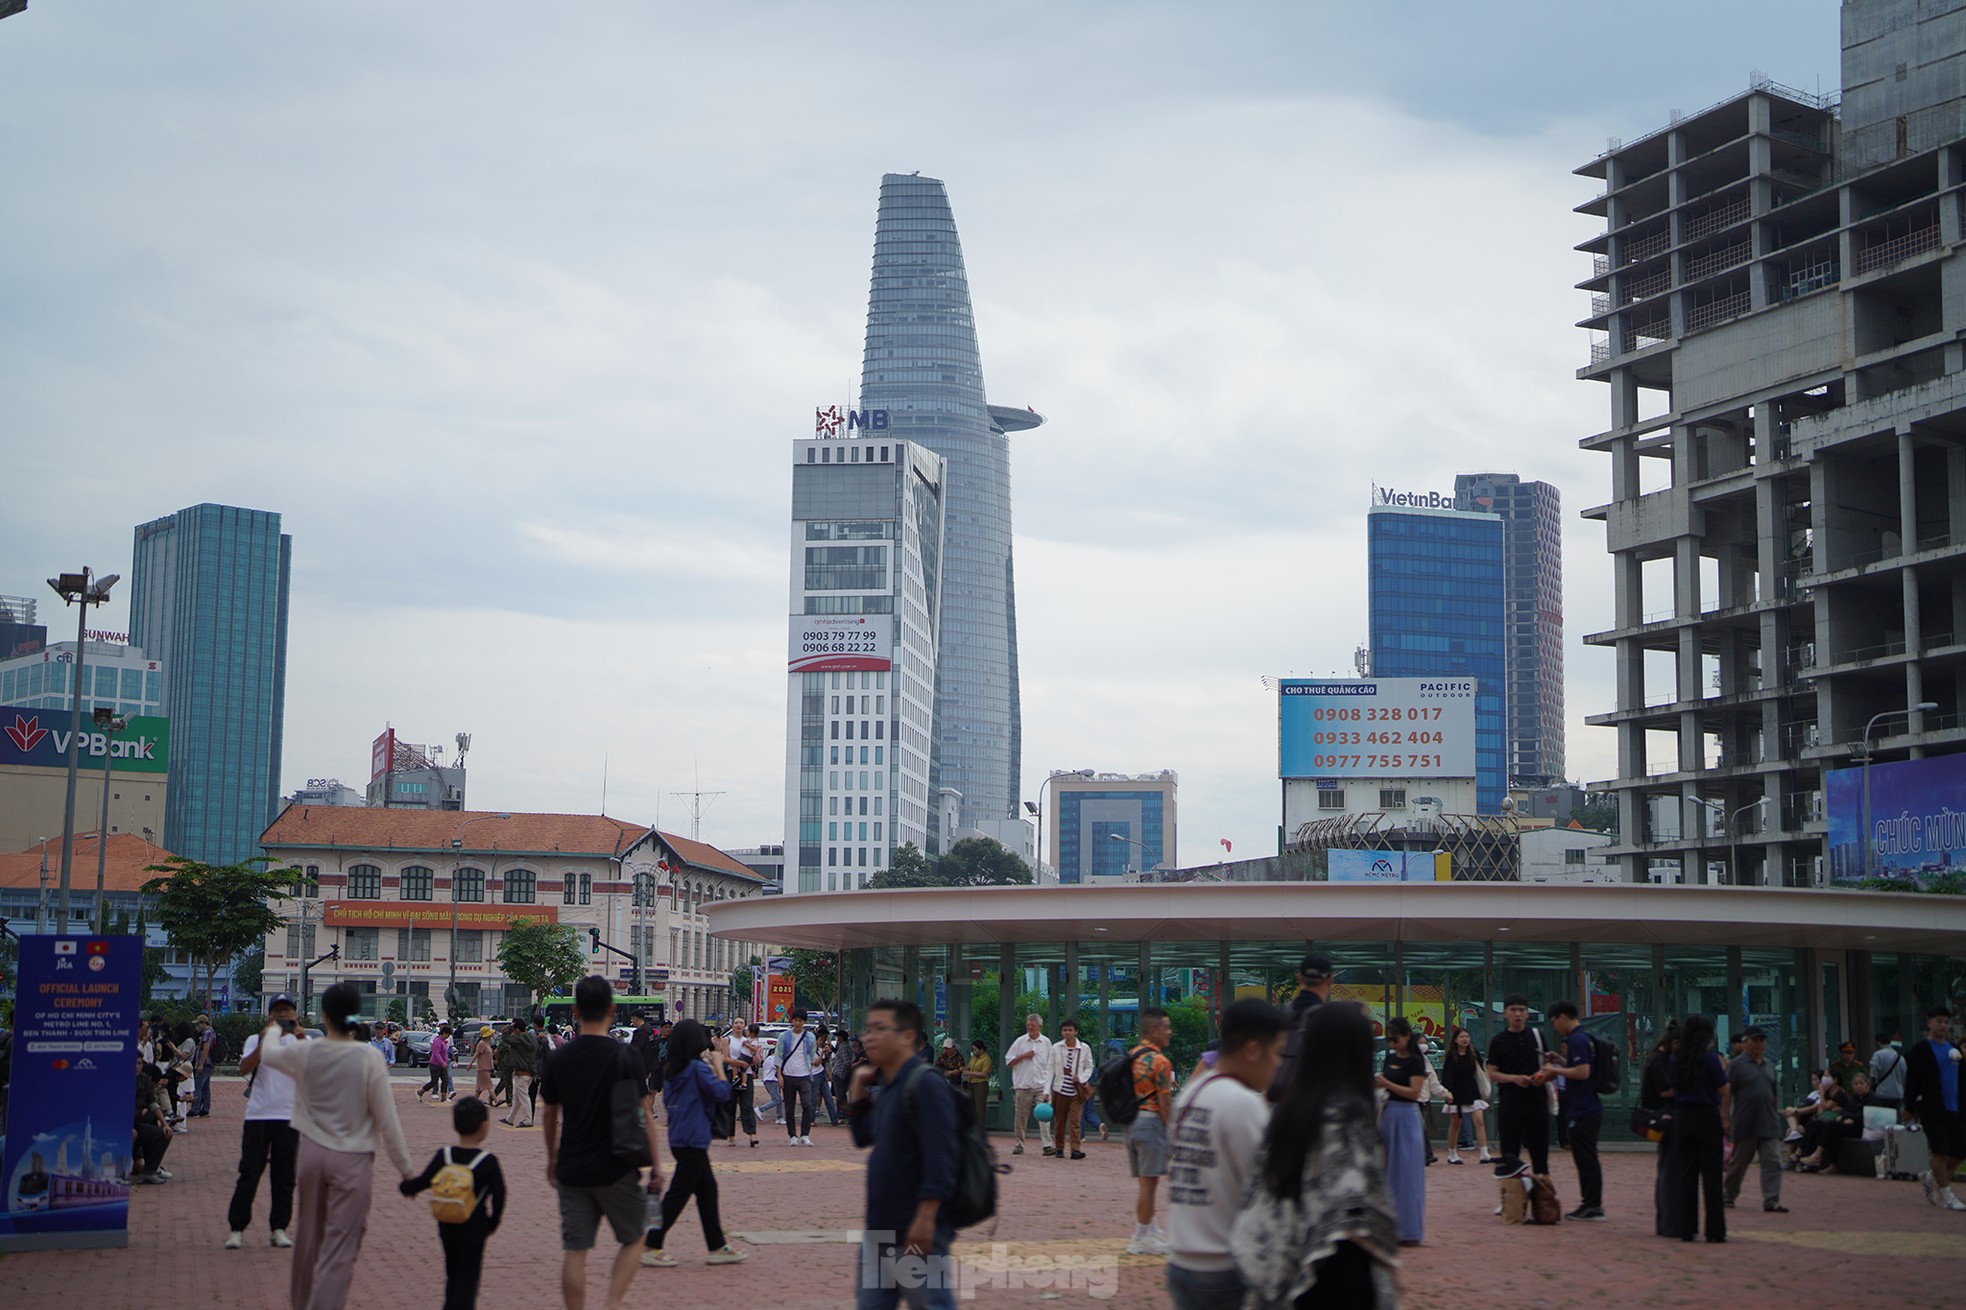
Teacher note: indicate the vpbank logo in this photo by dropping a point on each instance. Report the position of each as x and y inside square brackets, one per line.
[26, 731]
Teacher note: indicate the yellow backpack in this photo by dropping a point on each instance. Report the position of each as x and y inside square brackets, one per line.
[454, 1190]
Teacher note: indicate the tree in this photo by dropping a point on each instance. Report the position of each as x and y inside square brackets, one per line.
[542, 957]
[816, 977]
[249, 975]
[908, 868]
[125, 924]
[1600, 814]
[740, 985]
[213, 912]
[980, 862]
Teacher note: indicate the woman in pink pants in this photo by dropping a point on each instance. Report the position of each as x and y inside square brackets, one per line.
[342, 1109]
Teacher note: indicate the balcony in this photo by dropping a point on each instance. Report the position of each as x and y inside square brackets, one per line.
[1716, 260]
[1716, 219]
[1719, 311]
[1898, 249]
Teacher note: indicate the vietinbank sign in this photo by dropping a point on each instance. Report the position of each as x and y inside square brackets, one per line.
[39, 739]
[1412, 499]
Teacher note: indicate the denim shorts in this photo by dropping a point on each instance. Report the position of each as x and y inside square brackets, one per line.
[1147, 1147]
[1195, 1289]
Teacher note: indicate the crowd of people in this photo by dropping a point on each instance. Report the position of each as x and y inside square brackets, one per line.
[1294, 1152]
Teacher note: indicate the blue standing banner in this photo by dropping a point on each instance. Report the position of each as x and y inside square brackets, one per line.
[65, 1156]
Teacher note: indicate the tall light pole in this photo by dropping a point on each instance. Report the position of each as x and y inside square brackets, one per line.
[80, 590]
[1036, 810]
[1922, 707]
[1734, 841]
[109, 725]
[457, 848]
[1131, 842]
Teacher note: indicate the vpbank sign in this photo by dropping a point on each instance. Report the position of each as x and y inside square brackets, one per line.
[39, 739]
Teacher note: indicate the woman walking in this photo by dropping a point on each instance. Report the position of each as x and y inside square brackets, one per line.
[1655, 1100]
[440, 1066]
[481, 1064]
[1699, 1085]
[1461, 1073]
[742, 1053]
[1403, 1078]
[342, 1111]
[1318, 1232]
[692, 1081]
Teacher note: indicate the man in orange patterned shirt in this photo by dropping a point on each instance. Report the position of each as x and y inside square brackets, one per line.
[1148, 1139]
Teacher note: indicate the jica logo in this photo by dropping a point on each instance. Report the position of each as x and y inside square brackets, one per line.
[834, 421]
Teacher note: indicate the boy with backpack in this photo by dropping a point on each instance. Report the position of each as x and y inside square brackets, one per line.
[1581, 1067]
[467, 1196]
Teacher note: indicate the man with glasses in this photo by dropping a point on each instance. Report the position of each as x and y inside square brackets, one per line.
[900, 1107]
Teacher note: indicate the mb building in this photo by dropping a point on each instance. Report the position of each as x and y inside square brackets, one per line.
[866, 597]
[1778, 314]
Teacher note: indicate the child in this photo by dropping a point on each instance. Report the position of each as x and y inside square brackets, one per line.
[468, 1206]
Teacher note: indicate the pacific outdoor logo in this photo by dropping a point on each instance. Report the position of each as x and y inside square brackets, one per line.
[26, 732]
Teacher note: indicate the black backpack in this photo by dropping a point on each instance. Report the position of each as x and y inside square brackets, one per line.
[1293, 1043]
[1607, 1066]
[975, 1197]
[221, 1049]
[1117, 1103]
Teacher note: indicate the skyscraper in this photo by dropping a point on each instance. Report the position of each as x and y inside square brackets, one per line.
[1434, 578]
[922, 366]
[1532, 612]
[867, 525]
[209, 601]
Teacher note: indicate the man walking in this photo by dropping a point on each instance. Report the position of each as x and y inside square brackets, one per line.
[593, 1182]
[1149, 1141]
[1578, 1102]
[1314, 976]
[1932, 1098]
[1029, 1062]
[1757, 1122]
[1515, 1066]
[897, 1105]
[523, 1045]
[642, 1042]
[1887, 1073]
[267, 1136]
[1219, 1124]
[1071, 1083]
[798, 1068]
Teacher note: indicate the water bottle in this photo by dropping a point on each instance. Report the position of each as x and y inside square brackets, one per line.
[655, 1212]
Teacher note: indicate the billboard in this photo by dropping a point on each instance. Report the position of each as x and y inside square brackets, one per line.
[1376, 728]
[849, 642]
[1387, 866]
[65, 1161]
[432, 914]
[39, 738]
[1917, 818]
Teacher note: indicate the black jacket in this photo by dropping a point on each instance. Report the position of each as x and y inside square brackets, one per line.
[1923, 1095]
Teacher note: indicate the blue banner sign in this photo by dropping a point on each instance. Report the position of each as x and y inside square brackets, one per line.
[1914, 812]
[65, 1158]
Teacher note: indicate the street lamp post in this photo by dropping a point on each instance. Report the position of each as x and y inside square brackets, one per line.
[80, 590]
[1734, 841]
[457, 847]
[1922, 707]
[1036, 811]
[1131, 842]
[109, 725]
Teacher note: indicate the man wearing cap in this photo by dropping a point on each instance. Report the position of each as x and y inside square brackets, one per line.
[266, 1136]
[1313, 990]
[1757, 1122]
[1847, 1067]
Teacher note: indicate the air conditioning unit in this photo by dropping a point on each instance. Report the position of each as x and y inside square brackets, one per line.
[1816, 806]
[1808, 654]
[1816, 878]
[1812, 735]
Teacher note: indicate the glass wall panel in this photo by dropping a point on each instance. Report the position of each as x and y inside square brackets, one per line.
[1770, 999]
[1622, 1003]
[1180, 978]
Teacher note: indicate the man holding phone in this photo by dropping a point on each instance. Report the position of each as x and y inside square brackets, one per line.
[267, 1135]
[1517, 1068]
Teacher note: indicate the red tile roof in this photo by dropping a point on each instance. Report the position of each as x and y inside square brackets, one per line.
[357, 828]
[705, 856]
[124, 864]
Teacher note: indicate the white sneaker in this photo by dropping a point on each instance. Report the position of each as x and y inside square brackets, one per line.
[234, 1240]
[1951, 1202]
[1453, 1157]
[280, 1238]
[805, 1141]
[1148, 1245]
[1931, 1187]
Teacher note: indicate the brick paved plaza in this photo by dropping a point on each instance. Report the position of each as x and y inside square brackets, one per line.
[1846, 1238]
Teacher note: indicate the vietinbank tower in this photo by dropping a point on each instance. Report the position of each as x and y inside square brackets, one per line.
[922, 366]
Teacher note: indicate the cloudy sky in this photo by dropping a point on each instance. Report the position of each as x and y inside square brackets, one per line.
[511, 311]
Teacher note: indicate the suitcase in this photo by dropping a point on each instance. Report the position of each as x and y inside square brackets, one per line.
[1905, 1155]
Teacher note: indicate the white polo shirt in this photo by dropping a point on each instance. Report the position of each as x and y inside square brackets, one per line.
[1033, 1074]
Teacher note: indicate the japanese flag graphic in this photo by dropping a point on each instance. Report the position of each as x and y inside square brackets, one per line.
[64, 948]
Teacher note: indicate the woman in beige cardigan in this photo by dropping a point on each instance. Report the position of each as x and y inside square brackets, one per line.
[342, 1110]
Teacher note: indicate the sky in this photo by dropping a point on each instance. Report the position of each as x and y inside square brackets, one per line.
[513, 312]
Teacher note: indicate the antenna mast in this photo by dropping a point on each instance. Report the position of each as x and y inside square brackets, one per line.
[697, 806]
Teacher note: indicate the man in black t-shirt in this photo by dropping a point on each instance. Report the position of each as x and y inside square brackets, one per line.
[1515, 1066]
[593, 1182]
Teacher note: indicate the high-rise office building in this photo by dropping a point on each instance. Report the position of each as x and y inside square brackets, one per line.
[923, 368]
[866, 589]
[1774, 311]
[208, 599]
[19, 633]
[1434, 581]
[119, 677]
[1532, 615]
[1107, 825]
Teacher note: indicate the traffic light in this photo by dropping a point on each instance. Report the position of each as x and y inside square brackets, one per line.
[594, 935]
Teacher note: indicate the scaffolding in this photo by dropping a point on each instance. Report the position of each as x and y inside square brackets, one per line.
[1480, 847]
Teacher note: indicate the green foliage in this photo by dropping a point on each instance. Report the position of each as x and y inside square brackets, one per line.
[1599, 815]
[815, 980]
[908, 868]
[213, 912]
[1934, 884]
[124, 924]
[236, 1028]
[740, 986]
[542, 957]
[980, 862]
[249, 974]
[399, 1010]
